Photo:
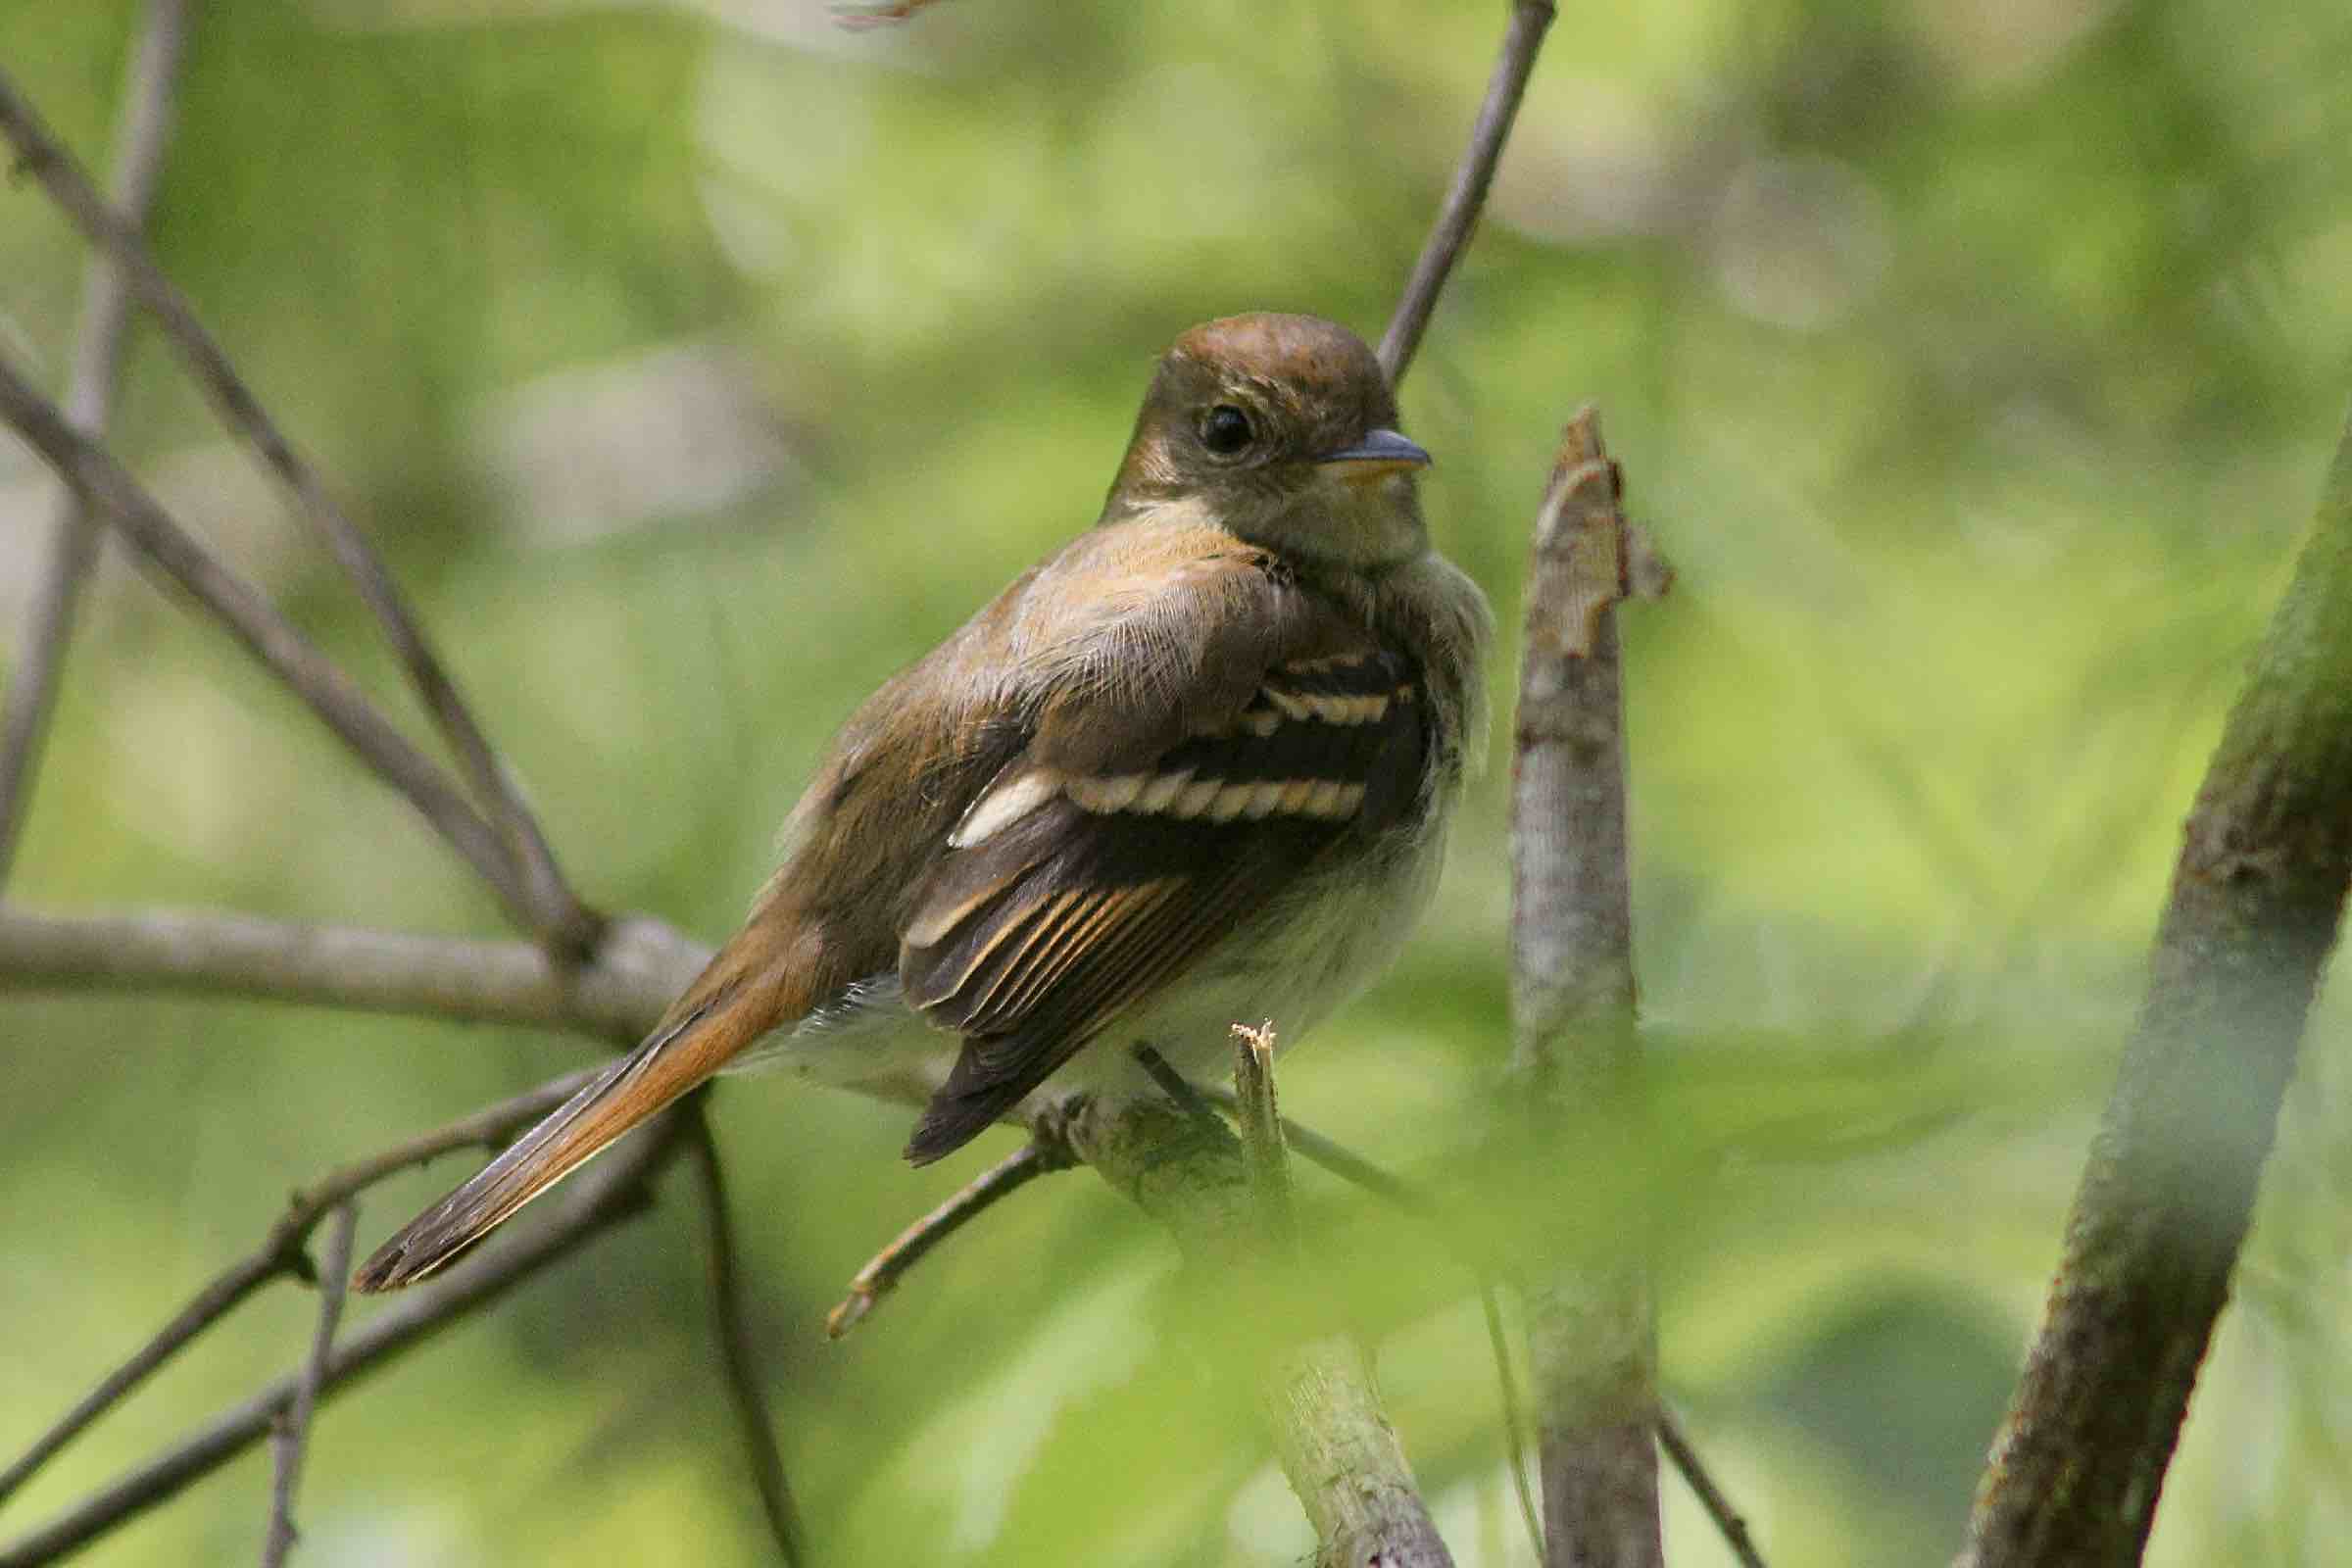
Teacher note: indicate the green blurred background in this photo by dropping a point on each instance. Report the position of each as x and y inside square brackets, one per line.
[1975, 364]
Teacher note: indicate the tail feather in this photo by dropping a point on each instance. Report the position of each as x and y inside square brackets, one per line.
[672, 1060]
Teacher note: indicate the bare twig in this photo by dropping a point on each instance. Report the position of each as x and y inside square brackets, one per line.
[1514, 1410]
[106, 486]
[1187, 1096]
[293, 1430]
[1591, 1336]
[149, 94]
[530, 876]
[1016, 1170]
[736, 1353]
[1467, 196]
[613, 1189]
[1710, 1496]
[280, 1254]
[638, 968]
[2256, 904]
[1260, 1121]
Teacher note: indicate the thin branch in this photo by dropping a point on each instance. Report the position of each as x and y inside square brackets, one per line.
[1334, 1156]
[1182, 1092]
[545, 900]
[105, 485]
[1467, 195]
[2257, 902]
[853, 17]
[1038, 1157]
[638, 966]
[1711, 1497]
[1514, 1412]
[487, 1128]
[1591, 1331]
[736, 1353]
[150, 93]
[610, 1192]
[281, 1253]
[293, 1430]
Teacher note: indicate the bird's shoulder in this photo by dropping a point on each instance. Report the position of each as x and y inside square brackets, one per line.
[1116, 648]
[1147, 633]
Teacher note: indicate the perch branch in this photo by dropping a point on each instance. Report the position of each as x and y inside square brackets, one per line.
[1466, 197]
[2169, 1189]
[293, 1428]
[610, 1191]
[281, 1253]
[531, 877]
[103, 484]
[1336, 1447]
[738, 1358]
[149, 94]
[1592, 1334]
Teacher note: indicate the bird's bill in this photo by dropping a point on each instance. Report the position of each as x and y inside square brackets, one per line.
[1380, 452]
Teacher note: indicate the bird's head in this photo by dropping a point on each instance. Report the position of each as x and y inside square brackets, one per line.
[1283, 430]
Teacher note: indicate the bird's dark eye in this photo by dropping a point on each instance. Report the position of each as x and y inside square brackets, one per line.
[1226, 430]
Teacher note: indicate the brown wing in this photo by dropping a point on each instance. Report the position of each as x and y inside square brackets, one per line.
[1083, 881]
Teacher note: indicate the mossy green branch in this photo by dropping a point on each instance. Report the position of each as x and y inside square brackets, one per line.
[2257, 898]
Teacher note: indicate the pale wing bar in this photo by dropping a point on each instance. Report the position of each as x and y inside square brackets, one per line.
[1067, 897]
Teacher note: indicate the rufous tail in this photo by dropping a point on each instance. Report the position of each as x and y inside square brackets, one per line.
[714, 1020]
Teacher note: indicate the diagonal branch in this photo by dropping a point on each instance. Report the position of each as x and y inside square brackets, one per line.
[294, 659]
[281, 1253]
[531, 877]
[882, 1272]
[150, 92]
[293, 1428]
[740, 1360]
[614, 1188]
[2166, 1196]
[1466, 197]
[1734, 1529]
[1591, 1331]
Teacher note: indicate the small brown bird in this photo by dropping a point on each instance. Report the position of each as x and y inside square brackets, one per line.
[1194, 769]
